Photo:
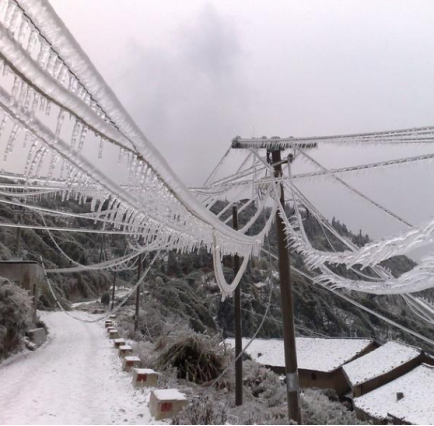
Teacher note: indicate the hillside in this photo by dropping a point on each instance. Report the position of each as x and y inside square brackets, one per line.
[184, 285]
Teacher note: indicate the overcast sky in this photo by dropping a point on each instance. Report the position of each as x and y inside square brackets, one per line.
[194, 74]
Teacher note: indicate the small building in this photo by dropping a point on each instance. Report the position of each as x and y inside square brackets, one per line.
[25, 273]
[319, 359]
[381, 366]
[409, 399]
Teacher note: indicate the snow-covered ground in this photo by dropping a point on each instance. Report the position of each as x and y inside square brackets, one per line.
[75, 378]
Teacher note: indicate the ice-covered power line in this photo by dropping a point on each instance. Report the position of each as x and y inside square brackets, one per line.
[64, 125]
[47, 70]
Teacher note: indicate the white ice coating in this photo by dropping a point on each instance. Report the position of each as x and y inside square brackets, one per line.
[57, 75]
[421, 277]
[54, 30]
[369, 255]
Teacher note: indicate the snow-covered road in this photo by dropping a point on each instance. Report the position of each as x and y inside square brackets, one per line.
[75, 378]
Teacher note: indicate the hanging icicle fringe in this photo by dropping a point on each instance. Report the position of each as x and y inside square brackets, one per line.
[51, 73]
[369, 255]
[218, 270]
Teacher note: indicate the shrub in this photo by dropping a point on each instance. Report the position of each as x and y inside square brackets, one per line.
[202, 411]
[15, 316]
[196, 357]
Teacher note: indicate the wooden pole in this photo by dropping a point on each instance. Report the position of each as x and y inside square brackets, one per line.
[139, 274]
[238, 328]
[35, 302]
[102, 247]
[17, 246]
[292, 382]
[114, 289]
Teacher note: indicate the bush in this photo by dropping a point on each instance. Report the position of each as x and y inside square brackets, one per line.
[15, 316]
[202, 411]
[197, 358]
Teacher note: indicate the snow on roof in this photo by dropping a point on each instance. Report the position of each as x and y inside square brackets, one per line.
[145, 371]
[132, 358]
[378, 362]
[125, 347]
[316, 354]
[171, 394]
[417, 405]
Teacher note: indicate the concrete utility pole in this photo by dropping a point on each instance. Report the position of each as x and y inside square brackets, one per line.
[238, 328]
[139, 274]
[291, 369]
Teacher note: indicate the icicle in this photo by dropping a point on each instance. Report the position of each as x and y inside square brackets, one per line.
[43, 55]
[10, 145]
[51, 62]
[54, 159]
[75, 133]
[60, 119]
[82, 138]
[23, 96]
[63, 74]
[15, 21]
[72, 84]
[29, 156]
[3, 124]
[62, 169]
[3, 8]
[15, 89]
[58, 69]
[9, 14]
[22, 32]
[26, 103]
[34, 107]
[42, 104]
[34, 161]
[41, 161]
[48, 108]
[26, 139]
[101, 148]
[6, 70]
[33, 38]
[121, 153]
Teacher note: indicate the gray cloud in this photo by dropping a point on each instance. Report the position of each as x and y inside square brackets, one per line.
[192, 97]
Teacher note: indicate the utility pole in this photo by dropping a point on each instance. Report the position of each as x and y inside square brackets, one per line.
[291, 369]
[102, 249]
[19, 218]
[139, 274]
[114, 288]
[238, 329]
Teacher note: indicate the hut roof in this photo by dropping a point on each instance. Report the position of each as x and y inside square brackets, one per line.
[316, 354]
[378, 362]
[415, 405]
